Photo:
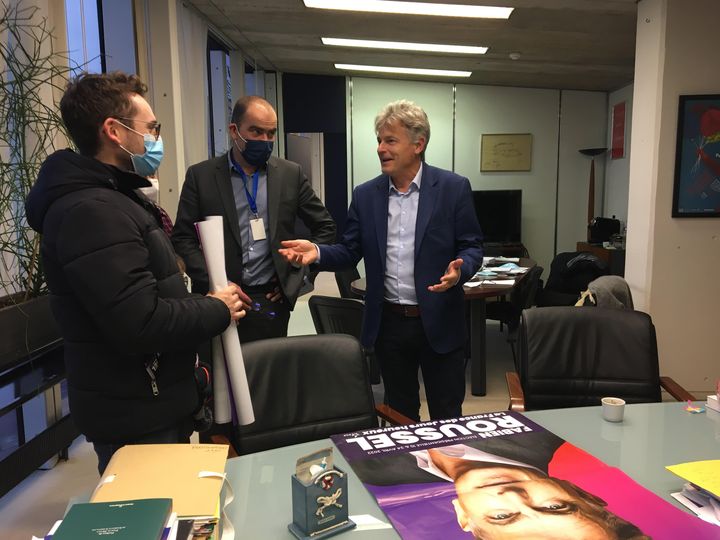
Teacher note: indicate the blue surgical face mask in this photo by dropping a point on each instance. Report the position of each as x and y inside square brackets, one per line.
[147, 163]
[256, 153]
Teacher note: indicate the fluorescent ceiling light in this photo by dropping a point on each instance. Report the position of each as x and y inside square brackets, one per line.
[430, 47]
[413, 8]
[407, 71]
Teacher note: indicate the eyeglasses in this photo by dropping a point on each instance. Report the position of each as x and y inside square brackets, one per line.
[153, 126]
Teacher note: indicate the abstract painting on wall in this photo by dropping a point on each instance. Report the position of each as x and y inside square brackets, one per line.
[697, 159]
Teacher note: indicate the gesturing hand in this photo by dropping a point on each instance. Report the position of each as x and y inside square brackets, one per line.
[302, 252]
[450, 278]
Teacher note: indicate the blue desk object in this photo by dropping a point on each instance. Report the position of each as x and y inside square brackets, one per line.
[650, 437]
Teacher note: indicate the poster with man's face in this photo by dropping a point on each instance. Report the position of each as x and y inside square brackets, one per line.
[501, 476]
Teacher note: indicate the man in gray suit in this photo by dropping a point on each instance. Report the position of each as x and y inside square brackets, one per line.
[260, 197]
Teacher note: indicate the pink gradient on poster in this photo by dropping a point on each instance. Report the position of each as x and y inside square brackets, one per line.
[626, 498]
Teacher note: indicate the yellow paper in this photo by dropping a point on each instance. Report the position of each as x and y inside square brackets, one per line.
[704, 474]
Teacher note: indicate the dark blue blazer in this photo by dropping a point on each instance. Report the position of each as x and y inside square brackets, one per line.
[446, 229]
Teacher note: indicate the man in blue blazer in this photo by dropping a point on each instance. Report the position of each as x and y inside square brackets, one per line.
[416, 228]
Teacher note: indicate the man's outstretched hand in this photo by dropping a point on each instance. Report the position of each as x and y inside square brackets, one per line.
[450, 278]
[302, 252]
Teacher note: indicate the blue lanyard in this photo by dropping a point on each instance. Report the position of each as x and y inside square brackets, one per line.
[251, 199]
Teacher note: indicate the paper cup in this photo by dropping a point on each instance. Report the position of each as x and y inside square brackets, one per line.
[613, 409]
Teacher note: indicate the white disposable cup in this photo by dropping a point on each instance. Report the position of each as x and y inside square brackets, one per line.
[613, 409]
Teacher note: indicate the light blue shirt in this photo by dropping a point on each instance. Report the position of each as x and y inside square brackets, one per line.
[258, 268]
[400, 251]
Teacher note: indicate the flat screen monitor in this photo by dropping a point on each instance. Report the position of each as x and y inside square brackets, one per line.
[500, 214]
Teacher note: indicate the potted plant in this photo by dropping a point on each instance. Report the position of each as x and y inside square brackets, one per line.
[31, 73]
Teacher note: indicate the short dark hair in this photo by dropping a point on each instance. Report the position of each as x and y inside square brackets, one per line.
[241, 107]
[91, 98]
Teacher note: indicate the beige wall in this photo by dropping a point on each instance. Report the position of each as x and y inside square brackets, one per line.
[672, 263]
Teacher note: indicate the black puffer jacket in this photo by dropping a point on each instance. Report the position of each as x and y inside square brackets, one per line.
[119, 298]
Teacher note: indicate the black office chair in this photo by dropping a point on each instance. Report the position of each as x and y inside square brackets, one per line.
[574, 356]
[305, 388]
[570, 273]
[342, 316]
[343, 279]
[521, 297]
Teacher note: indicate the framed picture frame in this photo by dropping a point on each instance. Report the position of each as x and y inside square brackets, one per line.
[505, 152]
[696, 190]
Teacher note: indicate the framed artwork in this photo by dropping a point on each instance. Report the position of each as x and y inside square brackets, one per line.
[505, 152]
[697, 157]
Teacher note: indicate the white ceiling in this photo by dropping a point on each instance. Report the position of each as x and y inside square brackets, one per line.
[566, 44]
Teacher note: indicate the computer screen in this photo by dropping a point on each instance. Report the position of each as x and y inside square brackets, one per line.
[500, 214]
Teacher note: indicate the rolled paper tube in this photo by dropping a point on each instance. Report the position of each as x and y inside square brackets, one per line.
[232, 393]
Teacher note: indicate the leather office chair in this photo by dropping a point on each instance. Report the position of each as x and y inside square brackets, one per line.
[570, 273]
[305, 388]
[342, 316]
[521, 297]
[343, 279]
[574, 356]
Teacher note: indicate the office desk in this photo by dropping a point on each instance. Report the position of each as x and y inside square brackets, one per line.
[651, 436]
[262, 507]
[476, 297]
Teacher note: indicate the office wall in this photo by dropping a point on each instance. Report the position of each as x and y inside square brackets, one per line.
[455, 145]
[582, 125]
[673, 46]
[617, 171]
[493, 109]
[368, 96]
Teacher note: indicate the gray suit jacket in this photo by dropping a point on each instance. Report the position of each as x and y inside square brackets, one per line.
[207, 191]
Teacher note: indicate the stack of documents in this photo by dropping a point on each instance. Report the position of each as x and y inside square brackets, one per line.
[702, 493]
[712, 403]
[192, 475]
[121, 520]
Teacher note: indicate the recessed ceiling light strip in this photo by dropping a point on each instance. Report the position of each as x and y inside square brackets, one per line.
[413, 8]
[404, 46]
[404, 70]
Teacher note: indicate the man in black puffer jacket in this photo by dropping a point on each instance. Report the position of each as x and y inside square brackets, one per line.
[129, 324]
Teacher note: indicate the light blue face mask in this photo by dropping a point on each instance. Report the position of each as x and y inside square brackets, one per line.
[147, 163]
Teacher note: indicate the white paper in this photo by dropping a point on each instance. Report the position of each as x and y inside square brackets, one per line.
[498, 282]
[366, 522]
[231, 365]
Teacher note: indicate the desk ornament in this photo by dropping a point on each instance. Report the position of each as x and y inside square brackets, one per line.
[319, 497]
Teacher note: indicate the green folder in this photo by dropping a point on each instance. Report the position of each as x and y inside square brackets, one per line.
[141, 519]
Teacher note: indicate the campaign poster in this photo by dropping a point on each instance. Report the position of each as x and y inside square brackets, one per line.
[500, 475]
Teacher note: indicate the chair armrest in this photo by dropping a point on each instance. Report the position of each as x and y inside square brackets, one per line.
[517, 396]
[222, 439]
[675, 390]
[391, 415]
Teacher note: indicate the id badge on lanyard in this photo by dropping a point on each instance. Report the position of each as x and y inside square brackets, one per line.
[257, 226]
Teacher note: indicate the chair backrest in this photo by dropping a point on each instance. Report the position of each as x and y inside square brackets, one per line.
[523, 296]
[333, 315]
[570, 273]
[305, 388]
[572, 357]
[343, 279]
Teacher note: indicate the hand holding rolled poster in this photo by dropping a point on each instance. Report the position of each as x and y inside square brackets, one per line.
[230, 380]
